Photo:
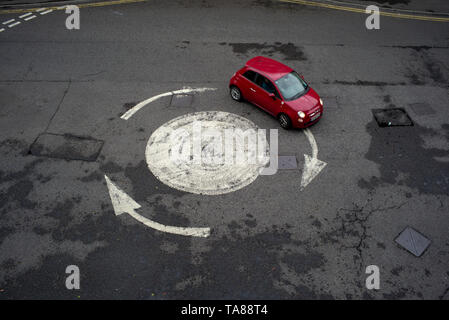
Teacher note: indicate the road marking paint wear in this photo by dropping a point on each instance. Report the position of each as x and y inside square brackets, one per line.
[14, 24]
[25, 15]
[128, 114]
[81, 5]
[122, 203]
[201, 177]
[48, 11]
[312, 166]
[358, 10]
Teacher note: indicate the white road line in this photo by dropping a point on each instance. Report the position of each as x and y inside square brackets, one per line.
[29, 18]
[128, 114]
[312, 142]
[138, 106]
[312, 166]
[45, 12]
[25, 15]
[122, 203]
[14, 24]
[40, 9]
[9, 21]
[2, 29]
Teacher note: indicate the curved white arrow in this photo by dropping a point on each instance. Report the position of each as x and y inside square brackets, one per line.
[128, 114]
[312, 166]
[123, 203]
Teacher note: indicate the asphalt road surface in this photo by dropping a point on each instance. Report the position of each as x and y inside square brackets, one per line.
[63, 93]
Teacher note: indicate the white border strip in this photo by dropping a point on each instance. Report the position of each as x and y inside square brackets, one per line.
[29, 18]
[25, 15]
[14, 24]
[48, 11]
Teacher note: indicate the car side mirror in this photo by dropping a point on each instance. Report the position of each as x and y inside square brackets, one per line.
[272, 96]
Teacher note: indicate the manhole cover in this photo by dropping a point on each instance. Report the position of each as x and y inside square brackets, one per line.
[181, 100]
[413, 241]
[66, 147]
[392, 117]
[287, 162]
[421, 109]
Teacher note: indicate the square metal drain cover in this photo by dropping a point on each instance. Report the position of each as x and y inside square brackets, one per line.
[421, 109]
[66, 147]
[392, 117]
[181, 100]
[413, 241]
[287, 162]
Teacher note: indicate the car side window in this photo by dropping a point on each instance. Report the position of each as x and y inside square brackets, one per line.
[267, 85]
[250, 75]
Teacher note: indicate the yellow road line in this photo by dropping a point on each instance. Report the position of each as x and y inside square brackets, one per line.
[303, 2]
[351, 9]
[81, 5]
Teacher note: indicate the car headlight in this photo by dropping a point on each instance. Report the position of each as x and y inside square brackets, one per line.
[321, 101]
[301, 114]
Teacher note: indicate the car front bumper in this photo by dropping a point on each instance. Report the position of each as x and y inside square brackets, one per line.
[307, 121]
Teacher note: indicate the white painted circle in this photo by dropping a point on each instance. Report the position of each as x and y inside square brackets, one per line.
[202, 178]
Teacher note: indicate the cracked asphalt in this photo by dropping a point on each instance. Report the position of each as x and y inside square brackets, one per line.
[269, 240]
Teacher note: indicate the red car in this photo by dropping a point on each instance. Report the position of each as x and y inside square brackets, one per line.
[279, 90]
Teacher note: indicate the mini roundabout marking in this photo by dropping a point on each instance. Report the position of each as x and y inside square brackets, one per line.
[212, 177]
[209, 174]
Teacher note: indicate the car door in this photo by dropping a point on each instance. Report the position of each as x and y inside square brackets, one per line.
[247, 85]
[263, 99]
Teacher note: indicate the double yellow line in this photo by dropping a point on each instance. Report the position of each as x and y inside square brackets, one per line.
[303, 2]
[81, 5]
[358, 10]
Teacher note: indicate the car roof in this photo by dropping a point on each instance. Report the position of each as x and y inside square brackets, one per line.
[269, 67]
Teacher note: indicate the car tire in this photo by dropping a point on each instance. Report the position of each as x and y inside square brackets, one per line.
[285, 121]
[236, 94]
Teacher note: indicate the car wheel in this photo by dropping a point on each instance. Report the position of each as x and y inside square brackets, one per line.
[235, 93]
[284, 121]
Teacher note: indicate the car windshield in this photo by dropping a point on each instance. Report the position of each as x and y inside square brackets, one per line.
[291, 86]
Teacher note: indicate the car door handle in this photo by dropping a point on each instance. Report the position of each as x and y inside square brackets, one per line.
[253, 90]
